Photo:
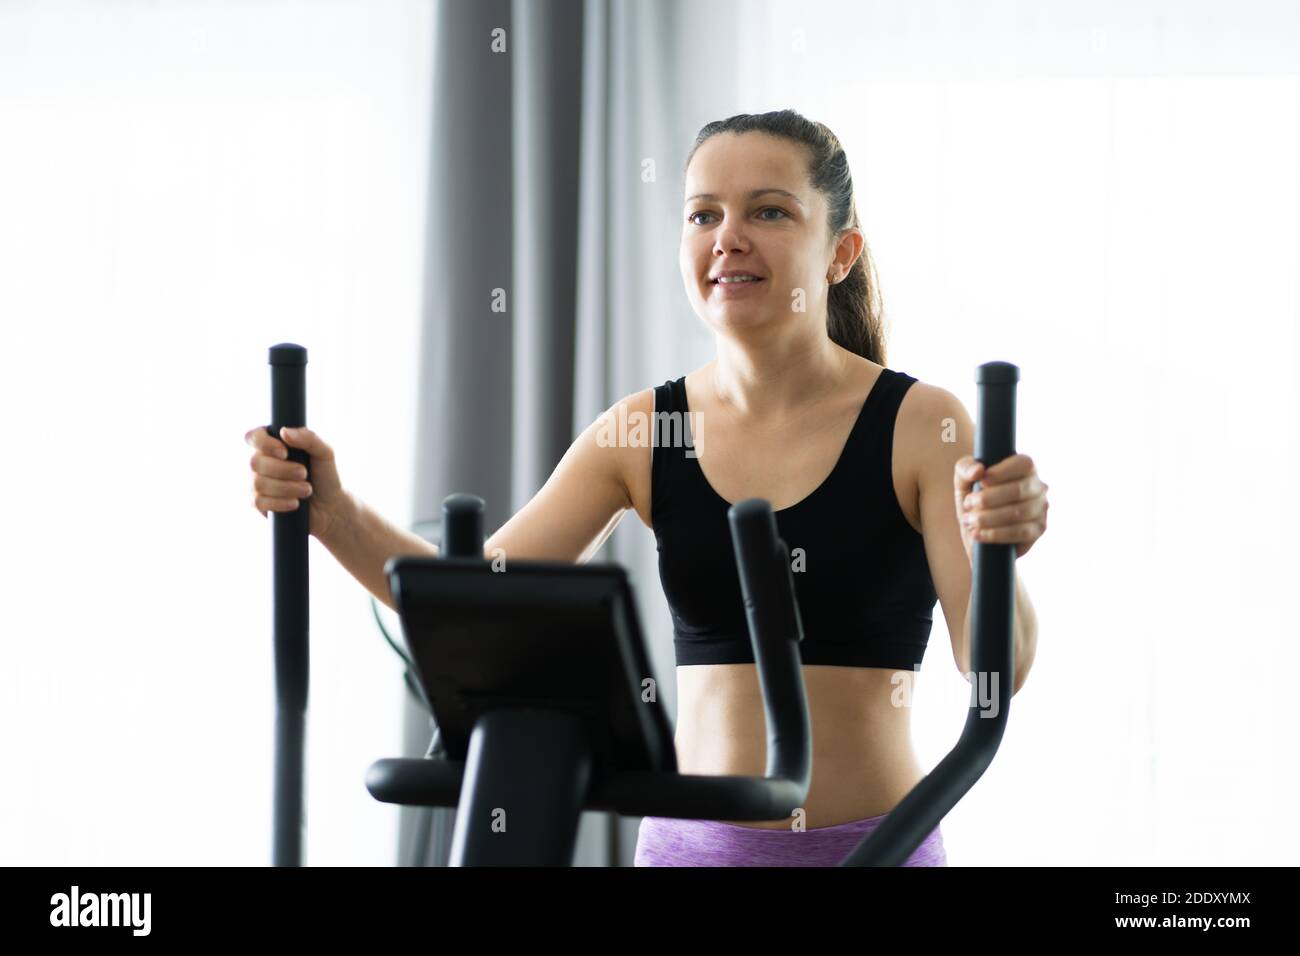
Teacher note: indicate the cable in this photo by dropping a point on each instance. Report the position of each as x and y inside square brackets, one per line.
[424, 815]
[412, 682]
[437, 749]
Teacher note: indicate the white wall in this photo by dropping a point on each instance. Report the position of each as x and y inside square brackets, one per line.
[182, 186]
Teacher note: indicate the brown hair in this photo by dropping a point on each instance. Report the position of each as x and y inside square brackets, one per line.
[854, 311]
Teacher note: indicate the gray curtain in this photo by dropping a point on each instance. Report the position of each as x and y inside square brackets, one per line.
[555, 186]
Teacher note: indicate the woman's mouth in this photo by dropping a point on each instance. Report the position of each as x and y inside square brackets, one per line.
[731, 286]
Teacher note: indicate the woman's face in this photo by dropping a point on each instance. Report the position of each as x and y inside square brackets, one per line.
[779, 236]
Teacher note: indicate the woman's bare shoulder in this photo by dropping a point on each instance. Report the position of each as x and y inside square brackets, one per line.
[635, 455]
[628, 424]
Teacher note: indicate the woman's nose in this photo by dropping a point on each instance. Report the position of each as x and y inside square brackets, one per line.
[730, 241]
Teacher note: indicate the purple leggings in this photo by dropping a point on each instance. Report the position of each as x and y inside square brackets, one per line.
[665, 841]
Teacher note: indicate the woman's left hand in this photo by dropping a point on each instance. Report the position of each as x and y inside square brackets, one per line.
[1010, 508]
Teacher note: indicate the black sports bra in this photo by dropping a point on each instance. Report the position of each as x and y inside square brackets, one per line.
[860, 572]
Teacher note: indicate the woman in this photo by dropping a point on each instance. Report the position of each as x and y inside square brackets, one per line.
[802, 410]
[857, 460]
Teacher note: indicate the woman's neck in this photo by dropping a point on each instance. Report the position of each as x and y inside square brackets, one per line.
[774, 384]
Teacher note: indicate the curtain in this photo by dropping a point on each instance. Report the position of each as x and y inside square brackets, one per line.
[555, 176]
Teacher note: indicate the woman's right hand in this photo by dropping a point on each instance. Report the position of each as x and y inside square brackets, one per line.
[279, 483]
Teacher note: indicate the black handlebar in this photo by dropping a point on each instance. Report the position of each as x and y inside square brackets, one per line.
[992, 655]
[775, 630]
[289, 408]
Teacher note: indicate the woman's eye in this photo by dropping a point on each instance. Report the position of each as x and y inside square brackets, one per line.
[691, 217]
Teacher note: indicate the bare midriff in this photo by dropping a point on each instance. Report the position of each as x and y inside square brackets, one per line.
[863, 761]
